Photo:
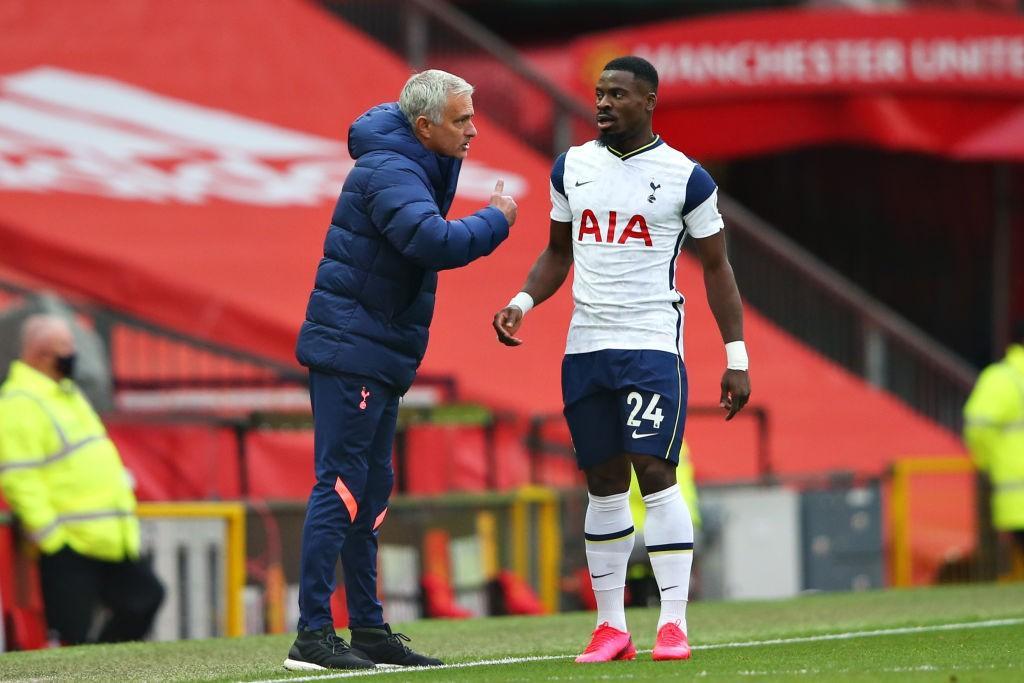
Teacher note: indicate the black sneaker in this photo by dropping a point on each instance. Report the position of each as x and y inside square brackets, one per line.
[323, 649]
[384, 647]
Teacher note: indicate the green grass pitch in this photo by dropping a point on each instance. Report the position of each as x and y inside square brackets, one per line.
[951, 634]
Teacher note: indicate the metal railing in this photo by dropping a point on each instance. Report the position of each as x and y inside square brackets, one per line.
[760, 470]
[793, 288]
[154, 369]
[511, 92]
[143, 354]
[837, 318]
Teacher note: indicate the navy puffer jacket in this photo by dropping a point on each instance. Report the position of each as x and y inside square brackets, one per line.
[373, 298]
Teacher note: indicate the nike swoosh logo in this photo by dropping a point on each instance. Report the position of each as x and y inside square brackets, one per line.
[666, 588]
[585, 182]
[598, 576]
[643, 436]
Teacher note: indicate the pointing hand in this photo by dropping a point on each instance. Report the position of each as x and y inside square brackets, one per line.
[504, 202]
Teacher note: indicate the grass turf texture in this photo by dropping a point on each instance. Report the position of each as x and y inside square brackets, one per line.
[979, 654]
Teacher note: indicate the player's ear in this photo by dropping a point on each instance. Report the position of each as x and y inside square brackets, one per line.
[652, 101]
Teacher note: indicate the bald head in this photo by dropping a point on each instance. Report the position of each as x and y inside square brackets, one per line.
[45, 339]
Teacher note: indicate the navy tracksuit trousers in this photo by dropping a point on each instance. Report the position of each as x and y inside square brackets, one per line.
[354, 427]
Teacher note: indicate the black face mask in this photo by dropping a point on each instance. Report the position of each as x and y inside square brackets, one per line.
[66, 365]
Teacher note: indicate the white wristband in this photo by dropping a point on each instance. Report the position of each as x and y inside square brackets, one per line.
[522, 301]
[736, 355]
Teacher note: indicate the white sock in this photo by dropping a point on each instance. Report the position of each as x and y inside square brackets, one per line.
[609, 536]
[668, 534]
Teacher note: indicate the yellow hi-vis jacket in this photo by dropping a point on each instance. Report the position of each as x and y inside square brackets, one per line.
[994, 432]
[60, 472]
[684, 475]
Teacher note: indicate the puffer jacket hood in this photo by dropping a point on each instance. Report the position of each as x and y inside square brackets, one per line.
[384, 128]
[373, 298]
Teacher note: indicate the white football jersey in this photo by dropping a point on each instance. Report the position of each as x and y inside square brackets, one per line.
[629, 215]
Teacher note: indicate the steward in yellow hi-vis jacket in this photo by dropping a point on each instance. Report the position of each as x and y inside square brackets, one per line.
[64, 480]
[994, 433]
[59, 471]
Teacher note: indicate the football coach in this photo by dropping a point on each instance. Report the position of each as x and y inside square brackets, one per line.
[364, 336]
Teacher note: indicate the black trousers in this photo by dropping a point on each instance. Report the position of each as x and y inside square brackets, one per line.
[74, 585]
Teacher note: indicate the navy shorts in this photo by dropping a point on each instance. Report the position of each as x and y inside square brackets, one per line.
[619, 401]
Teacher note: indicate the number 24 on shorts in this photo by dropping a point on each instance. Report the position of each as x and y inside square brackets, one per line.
[652, 413]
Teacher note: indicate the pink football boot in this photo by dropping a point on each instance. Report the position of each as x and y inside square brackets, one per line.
[608, 644]
[671, 643]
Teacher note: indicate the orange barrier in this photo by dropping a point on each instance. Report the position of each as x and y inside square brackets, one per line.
[932, 516]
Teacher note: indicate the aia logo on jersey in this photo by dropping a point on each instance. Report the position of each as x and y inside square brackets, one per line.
[636, 229]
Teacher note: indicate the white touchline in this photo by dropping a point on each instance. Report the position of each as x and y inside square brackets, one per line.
[867, 634]
[711, 646]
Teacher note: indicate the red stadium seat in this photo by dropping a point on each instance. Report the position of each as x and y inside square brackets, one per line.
[426, 460]
[518, 596]
[280, 463]
[511, 455]
[438, 594]
[441, 458]
[556, 465]
[468, 461]
[23, 617]
[179, 462]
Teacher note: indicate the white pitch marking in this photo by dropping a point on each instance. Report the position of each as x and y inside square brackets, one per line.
[711, 646]
[867, 634]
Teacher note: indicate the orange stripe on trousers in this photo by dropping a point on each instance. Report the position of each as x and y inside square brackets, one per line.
[380, 519]
[347, 498]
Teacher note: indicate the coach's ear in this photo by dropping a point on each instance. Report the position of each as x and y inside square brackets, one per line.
[422, 128]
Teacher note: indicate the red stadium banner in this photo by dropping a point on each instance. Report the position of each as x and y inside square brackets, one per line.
[799, 52]
[949, 83]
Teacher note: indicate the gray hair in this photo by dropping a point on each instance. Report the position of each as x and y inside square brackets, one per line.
[427, 93]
